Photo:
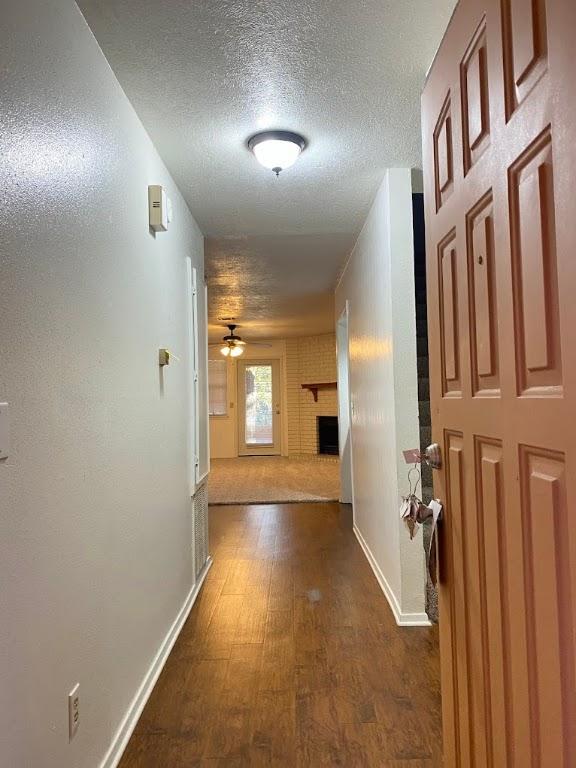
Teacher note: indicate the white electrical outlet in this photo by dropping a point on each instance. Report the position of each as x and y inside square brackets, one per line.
[73, 711]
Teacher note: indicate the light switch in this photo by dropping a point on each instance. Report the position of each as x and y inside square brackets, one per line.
[4, 431]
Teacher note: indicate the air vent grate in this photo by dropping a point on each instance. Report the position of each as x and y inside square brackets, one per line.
[200, 506]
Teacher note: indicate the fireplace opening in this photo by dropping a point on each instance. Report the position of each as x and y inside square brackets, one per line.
[328, 435]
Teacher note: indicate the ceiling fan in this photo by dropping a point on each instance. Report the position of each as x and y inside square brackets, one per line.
[233, 345]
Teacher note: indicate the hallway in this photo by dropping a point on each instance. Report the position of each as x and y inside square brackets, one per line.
[291, 656]
[287, 374]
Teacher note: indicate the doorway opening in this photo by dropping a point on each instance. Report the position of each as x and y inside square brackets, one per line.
[274, 421]
[259, 408]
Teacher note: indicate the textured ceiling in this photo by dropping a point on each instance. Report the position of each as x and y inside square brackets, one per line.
[204, 75]
[268, 284]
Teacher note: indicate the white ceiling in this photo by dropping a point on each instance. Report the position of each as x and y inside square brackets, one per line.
[204, 75]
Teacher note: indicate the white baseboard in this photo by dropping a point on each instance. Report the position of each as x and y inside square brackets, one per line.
[402, 619]
[138, 703]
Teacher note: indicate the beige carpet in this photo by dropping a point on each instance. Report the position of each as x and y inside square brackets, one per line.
[267, 479]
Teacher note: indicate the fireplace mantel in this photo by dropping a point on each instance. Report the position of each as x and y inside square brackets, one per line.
[323, 385]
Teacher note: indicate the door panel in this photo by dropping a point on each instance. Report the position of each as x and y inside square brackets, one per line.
[482, 298]
[443, 154]
[447, 272]
[534, 268]
[259, 407]
[543, 494]
[490, 510]
[499, 145]
[475, 98]
[525, 47]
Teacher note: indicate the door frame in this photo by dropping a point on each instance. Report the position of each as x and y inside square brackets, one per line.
[193, 405]
[269, 450]
[344, 409]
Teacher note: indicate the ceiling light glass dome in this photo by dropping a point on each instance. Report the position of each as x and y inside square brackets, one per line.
[277, 150]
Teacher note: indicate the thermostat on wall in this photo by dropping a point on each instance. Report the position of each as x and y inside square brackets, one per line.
[158, 208]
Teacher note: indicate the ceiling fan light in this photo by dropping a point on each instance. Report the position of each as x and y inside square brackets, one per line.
[277, 150]
[236, 351]
[225, 350]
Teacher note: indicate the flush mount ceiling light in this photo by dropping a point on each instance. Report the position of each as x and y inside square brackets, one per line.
[277, 150]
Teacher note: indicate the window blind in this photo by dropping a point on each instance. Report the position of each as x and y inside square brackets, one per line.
[218, 387]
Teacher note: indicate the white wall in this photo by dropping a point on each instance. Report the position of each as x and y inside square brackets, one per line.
[95, 512]
[378, 284]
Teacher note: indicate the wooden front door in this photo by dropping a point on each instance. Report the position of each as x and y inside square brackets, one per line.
[499, 133]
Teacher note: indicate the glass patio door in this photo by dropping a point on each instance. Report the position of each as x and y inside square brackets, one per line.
[259, 411]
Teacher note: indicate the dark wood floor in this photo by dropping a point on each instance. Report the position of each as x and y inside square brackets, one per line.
[291, 657]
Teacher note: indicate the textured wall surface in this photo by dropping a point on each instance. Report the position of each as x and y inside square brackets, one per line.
[309, 360]
[378, 283]
[95, 513]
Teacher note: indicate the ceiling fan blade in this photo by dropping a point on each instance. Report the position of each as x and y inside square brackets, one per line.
[242, 343]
